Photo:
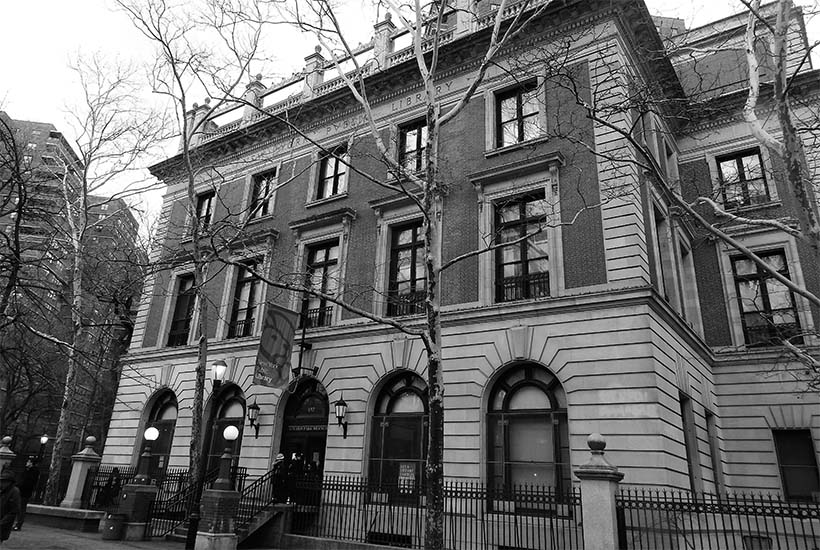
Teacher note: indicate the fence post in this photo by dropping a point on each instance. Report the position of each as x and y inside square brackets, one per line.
[6, 454]
[81, 463]
[599, 483]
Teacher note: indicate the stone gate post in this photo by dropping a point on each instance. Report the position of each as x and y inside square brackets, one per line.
[599, 483]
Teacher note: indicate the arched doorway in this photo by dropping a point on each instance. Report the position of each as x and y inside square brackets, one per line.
[163, 417]
[304, 431]
[230, 411]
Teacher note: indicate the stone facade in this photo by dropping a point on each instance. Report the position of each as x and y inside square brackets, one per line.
[638, 328]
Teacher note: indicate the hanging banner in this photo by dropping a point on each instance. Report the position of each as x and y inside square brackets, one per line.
[273, 359]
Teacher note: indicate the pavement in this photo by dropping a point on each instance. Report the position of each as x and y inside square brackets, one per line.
[51, 538]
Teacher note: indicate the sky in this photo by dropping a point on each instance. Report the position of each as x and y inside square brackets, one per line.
[40, 37]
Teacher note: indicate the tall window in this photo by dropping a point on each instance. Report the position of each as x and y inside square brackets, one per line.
[332, 174]
[398, 441]
[767, 306]
[690, 443]
[412, 146]
[230, 411]
[183, 311]
[798, 464]
[528, 432]
[522, 267]
[245, 302]
[407, 281]
[742, 180]
[204, 210]
[262, 194]
[517, 115]
[322, 276]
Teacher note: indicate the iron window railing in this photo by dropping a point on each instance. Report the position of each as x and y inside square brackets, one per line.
[240, 329]
[534, 285]
[316, 317]
[411, 303]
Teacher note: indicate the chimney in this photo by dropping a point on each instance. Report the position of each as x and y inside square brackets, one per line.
[253, 98]
[383, 41]
[314, 72]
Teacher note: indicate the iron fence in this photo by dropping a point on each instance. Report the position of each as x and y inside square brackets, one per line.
[103, 484]
[175, 496]
[475, 517]
[668, 520]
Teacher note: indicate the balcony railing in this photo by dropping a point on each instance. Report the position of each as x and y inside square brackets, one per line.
[316, 317]
[241, 329]
[411, 303]
[178, 335]
[772, 334]
[534, 285]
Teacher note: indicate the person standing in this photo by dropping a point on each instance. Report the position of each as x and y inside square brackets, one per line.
[9, 503]
[31, 475]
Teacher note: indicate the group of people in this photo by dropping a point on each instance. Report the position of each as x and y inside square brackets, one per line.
[286, 473]
[14, 497]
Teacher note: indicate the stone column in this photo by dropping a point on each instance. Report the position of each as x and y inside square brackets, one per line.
[81, 465]
[6, 454]
[599, 483]
[136, 498]
[218, 510]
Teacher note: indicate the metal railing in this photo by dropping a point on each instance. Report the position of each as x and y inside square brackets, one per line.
[475, 517]
[103, 484]
[240, 329]
[534, 285]
[656, 520]
[411, 303]
[316, 317]
[170, 510]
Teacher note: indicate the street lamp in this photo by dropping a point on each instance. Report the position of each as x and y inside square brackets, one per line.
[253, 417]
[218, 369]
[223, 482]
[143, 477]
[43, 441]
[341, 412]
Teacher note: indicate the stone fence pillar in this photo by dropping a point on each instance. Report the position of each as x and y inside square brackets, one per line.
[6, 454]
[81, 465]
[219, 507]
[599, 483]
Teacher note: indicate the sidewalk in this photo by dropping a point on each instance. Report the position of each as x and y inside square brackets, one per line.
[50, 538]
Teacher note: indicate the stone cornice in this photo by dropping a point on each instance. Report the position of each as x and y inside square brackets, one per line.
[323, 220]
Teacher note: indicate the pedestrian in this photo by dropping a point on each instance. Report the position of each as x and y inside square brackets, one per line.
[9, 503]
[111, 490]
[280, 489]
[28, 484]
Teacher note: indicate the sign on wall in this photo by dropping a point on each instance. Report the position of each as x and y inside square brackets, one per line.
[272, 367]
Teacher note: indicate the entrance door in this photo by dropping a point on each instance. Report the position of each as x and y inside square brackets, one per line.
[304, 435]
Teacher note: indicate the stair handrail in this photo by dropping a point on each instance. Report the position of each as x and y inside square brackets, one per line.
[256, 498]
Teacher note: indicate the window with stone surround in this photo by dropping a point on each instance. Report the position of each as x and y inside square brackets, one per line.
[742, 179]
[183, 311]
[767, 306]
[412, 145]
[262, 194]
[332, 178]
[406, 289]
[522, 266]
[321, 275]
[517, 114]
[246, 300]
[797, 460]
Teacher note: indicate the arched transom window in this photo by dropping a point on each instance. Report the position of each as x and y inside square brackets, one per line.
[398, 441]
[528, 435]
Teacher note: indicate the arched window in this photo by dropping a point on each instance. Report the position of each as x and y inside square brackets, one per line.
[398, 444]
[528, 435]
[230, 412]
[163, 417]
